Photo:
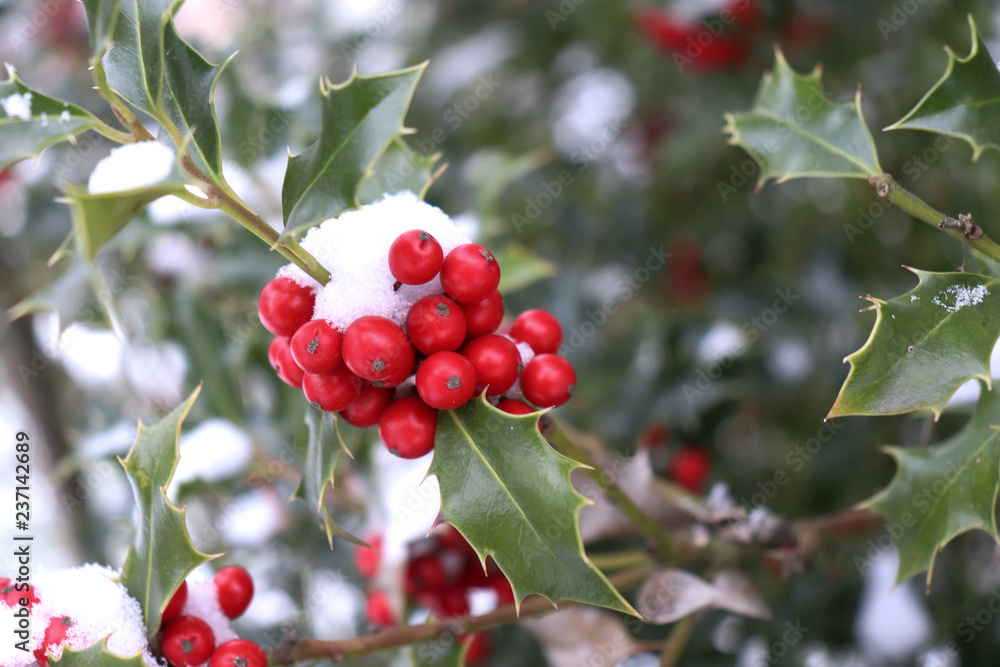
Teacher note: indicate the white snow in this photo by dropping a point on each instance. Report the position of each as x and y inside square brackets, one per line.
[914, 297]
[354, 247]
[93, 357]
[892, 623]
[410, 502]
[99, 606]
[17, 106]
[132, 166]
[213, 451]
[64, 117]
[956, 297]
[203, 602]
[527, 354]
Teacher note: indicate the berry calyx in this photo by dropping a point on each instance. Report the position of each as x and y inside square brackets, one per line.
[690, 468]
[375, 349]
[539, 329]
[284, 306]
[177, 603]
[316, 346]
[415, 257]
[187, 641]
[55, 634]
[407, 427]
[333, 391]
[470, 273]
[378, 610]
[365, 559]
[496, 361]
[235, 588]
[436, 324]
[279, 354]
[238, 653]
[548, 381]
[446, 380]
[365, 410]
[483, 317]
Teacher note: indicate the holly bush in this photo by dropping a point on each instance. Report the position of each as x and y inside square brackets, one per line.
[718, 490]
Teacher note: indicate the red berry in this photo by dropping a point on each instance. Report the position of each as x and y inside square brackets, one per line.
[505, 594]
[479, 649]
[379, 610]
[436, 324]
[690, 468]
[446, 380]
[470, 273]
[55, 634]
[284, 306]
[473, 574]
[176, 603]
[415, 257]
[424, 574]
[407, 427]
[333, 391]
[238, 653]
[539, 329]
[496, 360]
[548, 380]
[515, 406]
[451, 602]
[280, 356]
[316, 346]
[365, 559]
[187, 641]
[377, 350]
[368, 406]
[16, 594]
[483, 317]
[453, 541]
[235, 588]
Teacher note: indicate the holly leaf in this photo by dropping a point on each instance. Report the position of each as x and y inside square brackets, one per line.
[134, 59]
[98, 217]
[188, 98]
[102, 17]
[925, 345]
[162, 554]
[326, 445]
[964, 103]
[400, 168]
[361, 117]
[508, 492]
[96, 655]
[31, 122]
[942, 491]
[795, 131]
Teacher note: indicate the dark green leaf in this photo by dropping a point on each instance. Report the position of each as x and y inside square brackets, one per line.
[942, 491]
[964, 103]
[96, 655]
[162, 554]
[134, 60]
[794, 131]
[400, 168]
[102, 16]
[508, 492]
[360, 119]
[188, 99]
[30, 122]
[924, 346]
[521, 267]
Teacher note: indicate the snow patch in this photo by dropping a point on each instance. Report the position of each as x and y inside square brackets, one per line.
[132, 166]
[213, 451]
[17, 106]
[203, 602]
[956, 297]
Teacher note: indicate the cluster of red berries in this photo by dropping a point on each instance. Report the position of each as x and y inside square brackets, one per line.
[187, 640]
[448, 346]
[13, 594]
[441, 573]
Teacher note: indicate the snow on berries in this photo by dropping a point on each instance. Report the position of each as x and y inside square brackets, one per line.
[406, 326]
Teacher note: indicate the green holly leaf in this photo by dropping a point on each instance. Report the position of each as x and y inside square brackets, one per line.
[361, 118]
[400, 168]
[162, 554]
[326, 446]
[964, 103]
[925, 345]
[98, 217]
[795, 131]
[96, 655]
[942, 491]
[521, 267]
[102, 17]
[31, 122]
[134, 59]
[508, 492]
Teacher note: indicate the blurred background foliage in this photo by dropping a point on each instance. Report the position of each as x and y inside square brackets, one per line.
[576, 147]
